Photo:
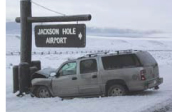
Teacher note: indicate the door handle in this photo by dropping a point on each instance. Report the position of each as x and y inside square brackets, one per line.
[94, 76]
[74, 78]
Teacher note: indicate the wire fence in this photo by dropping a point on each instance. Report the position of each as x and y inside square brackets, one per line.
[75, 52]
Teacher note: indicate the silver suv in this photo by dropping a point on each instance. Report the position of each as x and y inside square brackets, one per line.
[105, 74]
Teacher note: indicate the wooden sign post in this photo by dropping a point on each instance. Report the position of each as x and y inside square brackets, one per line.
[22, 72]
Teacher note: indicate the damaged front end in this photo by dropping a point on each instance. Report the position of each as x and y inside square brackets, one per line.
[44, 73]
[42, 78]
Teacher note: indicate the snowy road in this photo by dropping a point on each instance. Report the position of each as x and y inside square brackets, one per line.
[170, 108]
[147, 101]
[132, 103]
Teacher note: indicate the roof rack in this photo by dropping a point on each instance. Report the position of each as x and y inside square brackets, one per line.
[93, 55]
[122, 51]
[125, 51]
[108, 52]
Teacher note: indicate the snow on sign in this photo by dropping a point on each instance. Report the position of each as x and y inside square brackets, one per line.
[66, 35]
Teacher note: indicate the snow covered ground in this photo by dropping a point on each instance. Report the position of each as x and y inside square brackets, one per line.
[147, 101]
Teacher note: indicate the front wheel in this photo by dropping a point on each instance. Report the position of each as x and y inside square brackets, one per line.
[116, 90]
[42, 92]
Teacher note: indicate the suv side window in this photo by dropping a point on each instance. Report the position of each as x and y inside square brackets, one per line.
[127, 61]
[68, 69]
[88, 66]
[119, 61]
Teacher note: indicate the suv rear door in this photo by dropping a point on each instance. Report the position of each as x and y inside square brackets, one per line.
[88, 81]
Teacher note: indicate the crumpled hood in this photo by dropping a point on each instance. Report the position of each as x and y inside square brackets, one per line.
[46, 71]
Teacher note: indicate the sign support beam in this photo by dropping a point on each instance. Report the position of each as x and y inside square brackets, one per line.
[70, 18]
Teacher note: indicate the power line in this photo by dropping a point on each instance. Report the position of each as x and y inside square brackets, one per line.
[48, 8]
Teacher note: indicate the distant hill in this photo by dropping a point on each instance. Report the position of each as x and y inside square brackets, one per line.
[115, 32]
[14, 28]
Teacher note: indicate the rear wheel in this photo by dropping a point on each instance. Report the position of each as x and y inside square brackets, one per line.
[42, 92]
[116, 90]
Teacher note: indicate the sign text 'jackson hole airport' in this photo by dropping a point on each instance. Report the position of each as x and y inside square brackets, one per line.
[66, 35]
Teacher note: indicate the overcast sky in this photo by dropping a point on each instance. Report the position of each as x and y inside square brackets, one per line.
[142, 15]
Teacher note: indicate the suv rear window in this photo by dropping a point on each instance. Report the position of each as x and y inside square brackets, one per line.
[120, 61]
[146, 59]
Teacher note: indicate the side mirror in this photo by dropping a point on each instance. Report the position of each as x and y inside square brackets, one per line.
[52, 74]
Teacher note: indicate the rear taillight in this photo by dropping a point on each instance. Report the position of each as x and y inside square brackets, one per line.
[142, 74]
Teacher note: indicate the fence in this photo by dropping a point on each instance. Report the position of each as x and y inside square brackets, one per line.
[75, 52]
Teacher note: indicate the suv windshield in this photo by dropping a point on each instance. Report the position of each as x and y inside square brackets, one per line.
[68, 69]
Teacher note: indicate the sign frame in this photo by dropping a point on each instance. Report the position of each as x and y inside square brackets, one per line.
[60, 35]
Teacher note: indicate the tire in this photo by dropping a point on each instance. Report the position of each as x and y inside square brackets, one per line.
[116, 90]
[42, 92]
